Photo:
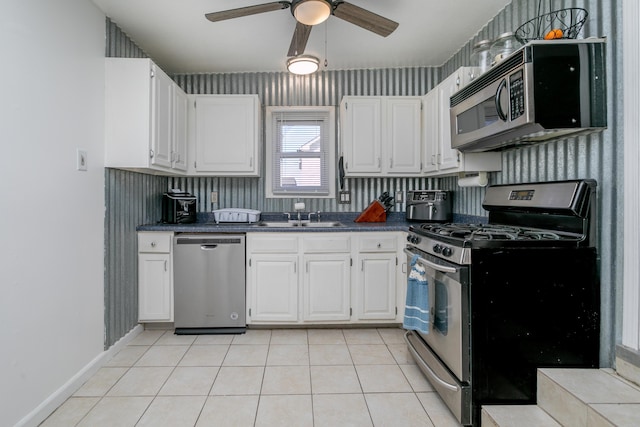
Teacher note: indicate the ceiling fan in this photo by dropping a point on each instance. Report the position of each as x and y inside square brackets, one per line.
[312, 12]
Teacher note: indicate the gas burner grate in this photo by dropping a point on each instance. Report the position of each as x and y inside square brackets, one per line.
[489, 232]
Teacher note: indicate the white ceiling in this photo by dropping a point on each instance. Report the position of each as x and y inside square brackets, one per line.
[181, 40]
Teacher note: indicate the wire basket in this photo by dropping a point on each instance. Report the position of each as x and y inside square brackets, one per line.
[559, 24]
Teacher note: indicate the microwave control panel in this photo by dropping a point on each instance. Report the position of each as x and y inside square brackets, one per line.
[516, 92]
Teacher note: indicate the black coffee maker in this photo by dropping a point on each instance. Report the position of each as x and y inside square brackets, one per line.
[178, 207]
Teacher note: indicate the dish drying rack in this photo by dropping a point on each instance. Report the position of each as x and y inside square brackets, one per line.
[236, 215]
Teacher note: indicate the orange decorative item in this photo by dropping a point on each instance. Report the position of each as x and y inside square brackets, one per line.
[375, 212]
[556, 33]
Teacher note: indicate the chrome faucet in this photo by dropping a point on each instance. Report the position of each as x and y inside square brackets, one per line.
[317, 214]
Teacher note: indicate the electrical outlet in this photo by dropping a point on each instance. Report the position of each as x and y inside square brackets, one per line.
[81, 160]
[345, 197]
[399, 196]
[214, 197]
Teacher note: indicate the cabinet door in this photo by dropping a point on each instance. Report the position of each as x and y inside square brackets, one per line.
[449, 158]
[155, 300]
[227, 134]
[273, 288]
[376, 292]
[326, 287]
[361, 135]
[162, 121]
[402, 135]
[430, 132]
[179, 155]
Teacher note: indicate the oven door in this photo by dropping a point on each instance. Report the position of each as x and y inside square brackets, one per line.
[443, 354]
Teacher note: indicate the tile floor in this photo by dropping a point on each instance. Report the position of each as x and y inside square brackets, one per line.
[278, 377]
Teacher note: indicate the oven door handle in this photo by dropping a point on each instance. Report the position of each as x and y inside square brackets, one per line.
[433, 265]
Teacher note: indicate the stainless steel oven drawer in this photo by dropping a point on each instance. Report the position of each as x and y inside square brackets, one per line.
[456, 395]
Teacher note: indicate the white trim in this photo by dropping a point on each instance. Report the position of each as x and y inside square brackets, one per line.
[56, 399]
[269, 128]
[631, 235]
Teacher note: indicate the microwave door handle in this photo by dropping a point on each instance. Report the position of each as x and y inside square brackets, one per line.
[502, 86]
[437, 267]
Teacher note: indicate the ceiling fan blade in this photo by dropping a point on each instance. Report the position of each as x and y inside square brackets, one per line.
[364, 18]
[246, 11]
[299, 40]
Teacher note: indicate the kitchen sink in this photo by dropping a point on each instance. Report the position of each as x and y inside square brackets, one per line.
[305, 224]
[322, 224]
[278, 224]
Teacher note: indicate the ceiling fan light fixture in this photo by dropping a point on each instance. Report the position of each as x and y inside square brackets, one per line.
[303, 64]
[311, 12]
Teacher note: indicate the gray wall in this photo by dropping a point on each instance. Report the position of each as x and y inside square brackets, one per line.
[325, 88]
[597, 156]
[131, 199]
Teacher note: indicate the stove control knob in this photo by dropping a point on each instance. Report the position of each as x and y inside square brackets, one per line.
[447, 252]
[415, 240]
[437, 249]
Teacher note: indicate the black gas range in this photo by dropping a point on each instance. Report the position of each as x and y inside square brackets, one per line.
[509, 296]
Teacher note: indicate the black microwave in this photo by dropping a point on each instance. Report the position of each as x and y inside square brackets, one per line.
[544, 90]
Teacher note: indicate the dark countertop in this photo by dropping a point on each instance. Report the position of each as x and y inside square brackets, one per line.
[205, 224]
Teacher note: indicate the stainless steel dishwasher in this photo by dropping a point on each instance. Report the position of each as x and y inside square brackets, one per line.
[209, 283]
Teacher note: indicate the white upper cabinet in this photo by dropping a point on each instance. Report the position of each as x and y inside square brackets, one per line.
[361, 128]
[380, 135]
[438, 156]
[145, 117]
[403, 135]
[226, 135]
[179, 155]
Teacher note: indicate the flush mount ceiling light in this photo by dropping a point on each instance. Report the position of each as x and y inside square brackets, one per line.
[311, 12]
[303, 64]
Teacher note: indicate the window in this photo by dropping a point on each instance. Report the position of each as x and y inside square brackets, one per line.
[300, 152]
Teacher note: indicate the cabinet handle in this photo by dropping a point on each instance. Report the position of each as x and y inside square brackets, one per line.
[165, 265]
[346, 166]
[151, 154]
[295, 267]
[362, 265]
[379, 245]
[153, 244]
[379, 162]
[250, 162]
[391, 162]
[433, 159]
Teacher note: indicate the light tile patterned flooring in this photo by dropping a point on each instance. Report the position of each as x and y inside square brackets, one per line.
[278, 377]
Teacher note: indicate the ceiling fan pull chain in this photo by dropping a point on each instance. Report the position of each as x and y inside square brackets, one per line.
[325, 44]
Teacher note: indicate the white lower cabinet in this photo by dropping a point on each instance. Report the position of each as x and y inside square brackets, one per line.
[274, 287]
[295, 278]
[155, 277]
[376, 290]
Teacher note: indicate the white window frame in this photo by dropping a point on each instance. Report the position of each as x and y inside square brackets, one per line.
[270, 127]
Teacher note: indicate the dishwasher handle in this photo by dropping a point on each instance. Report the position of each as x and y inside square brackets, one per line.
[208, 247]
[209, 241]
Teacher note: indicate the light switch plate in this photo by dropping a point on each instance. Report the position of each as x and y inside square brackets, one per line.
[214, 197]
[81, 160]
[344, 197]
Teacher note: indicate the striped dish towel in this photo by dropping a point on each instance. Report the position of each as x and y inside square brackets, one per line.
[416, 311]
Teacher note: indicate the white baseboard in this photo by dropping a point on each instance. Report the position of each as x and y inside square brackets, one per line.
[50, 404]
